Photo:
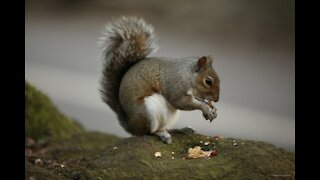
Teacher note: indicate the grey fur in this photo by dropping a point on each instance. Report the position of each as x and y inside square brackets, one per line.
[172, 78]
[125, 42]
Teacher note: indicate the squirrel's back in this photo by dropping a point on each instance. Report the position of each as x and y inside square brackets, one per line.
[125, 42]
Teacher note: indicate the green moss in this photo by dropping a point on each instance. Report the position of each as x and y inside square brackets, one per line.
[112, 158]
[134, 157]
[79, 146]
[42, 118]
[38, 172]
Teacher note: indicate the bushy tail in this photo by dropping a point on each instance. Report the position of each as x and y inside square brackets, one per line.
[125, 42]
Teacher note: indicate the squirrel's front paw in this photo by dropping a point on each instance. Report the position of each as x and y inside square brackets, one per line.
[210, 113]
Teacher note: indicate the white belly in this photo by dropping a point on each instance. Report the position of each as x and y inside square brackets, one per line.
[161, 114]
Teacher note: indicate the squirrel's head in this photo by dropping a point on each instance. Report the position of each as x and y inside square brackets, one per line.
[207, 81]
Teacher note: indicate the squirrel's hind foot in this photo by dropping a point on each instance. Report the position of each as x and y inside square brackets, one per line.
[164, 136]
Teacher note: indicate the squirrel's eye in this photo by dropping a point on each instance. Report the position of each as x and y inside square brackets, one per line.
[208, 81]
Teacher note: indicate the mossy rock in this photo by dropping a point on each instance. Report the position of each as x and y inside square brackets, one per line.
[133, 158]
[74, 152]
[43, 120]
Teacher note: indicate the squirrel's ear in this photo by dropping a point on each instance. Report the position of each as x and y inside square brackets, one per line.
[202, 62]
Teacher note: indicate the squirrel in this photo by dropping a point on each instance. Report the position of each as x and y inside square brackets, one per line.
[147, 93]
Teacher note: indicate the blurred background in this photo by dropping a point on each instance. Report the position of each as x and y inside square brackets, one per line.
[252, 42]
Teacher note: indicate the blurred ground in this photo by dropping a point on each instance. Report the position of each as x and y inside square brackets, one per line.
[252, 41]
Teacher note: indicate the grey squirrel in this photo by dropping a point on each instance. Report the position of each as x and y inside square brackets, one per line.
[147, 93]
